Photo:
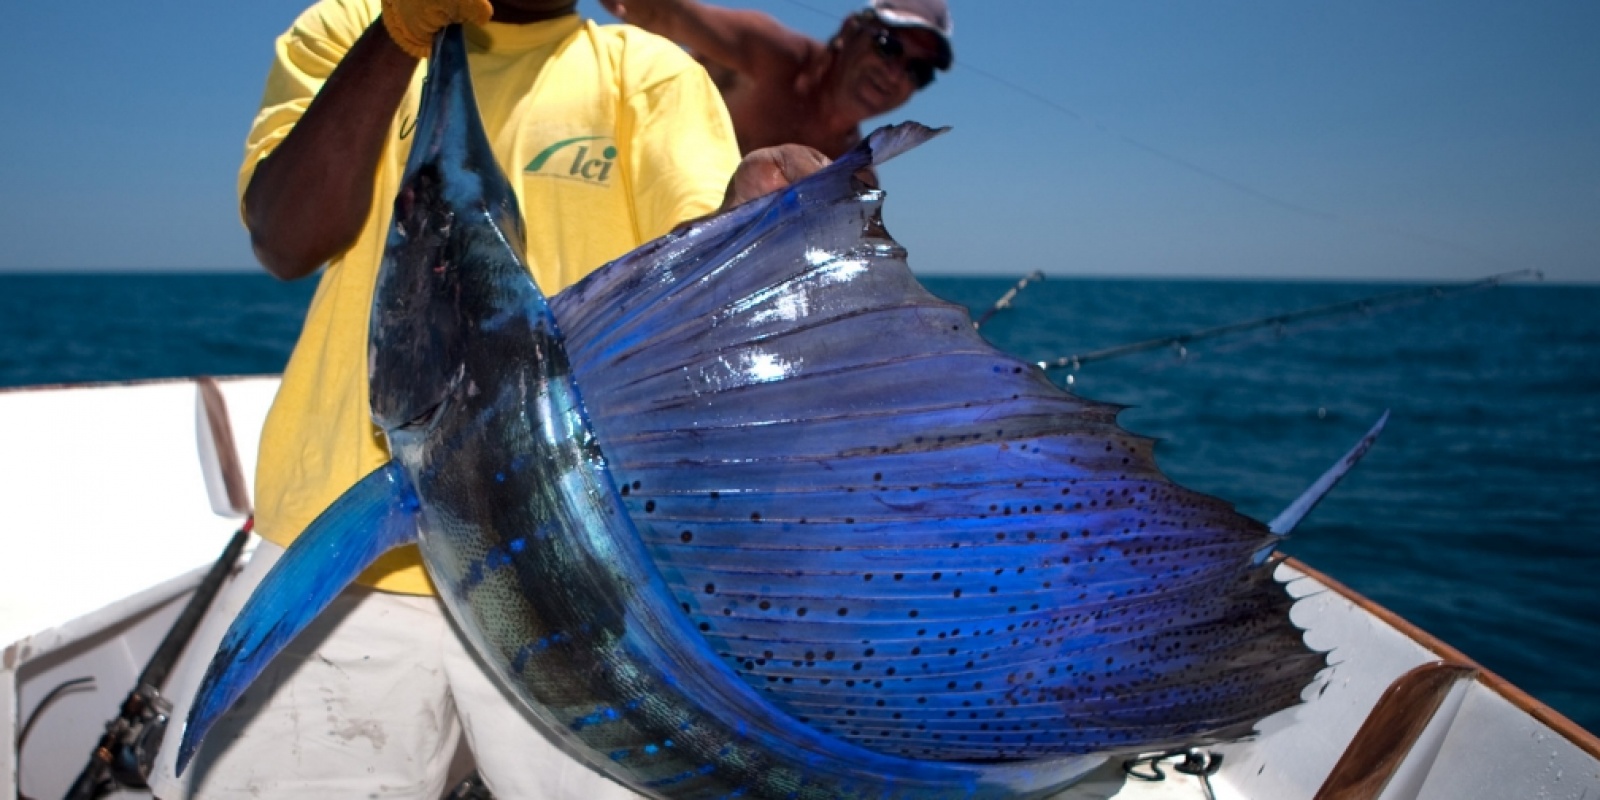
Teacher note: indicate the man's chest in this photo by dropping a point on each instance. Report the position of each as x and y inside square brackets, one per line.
[549, 129]
[767, 118]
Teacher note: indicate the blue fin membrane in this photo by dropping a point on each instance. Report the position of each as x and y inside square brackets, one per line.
[526, 535]
[892, 531]
[1308, 500]
[376, 515]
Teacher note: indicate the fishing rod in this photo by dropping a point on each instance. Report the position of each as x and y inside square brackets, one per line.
[1365, 305]
[124, 755]
[1005, 299]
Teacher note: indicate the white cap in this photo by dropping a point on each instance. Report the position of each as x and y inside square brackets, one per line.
[929, 15]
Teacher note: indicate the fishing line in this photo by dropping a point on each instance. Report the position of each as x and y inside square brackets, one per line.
[1278, 333]
[50, 697]
[1005, 300]
[38, 710]
[966, 65]
[1366, 305]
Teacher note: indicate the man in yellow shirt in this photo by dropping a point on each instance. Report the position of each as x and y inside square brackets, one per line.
[611, 137]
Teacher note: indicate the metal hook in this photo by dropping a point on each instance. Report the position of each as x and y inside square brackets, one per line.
[1196, 762]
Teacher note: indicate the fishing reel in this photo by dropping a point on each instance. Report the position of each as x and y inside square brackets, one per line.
[140, 740]
[127, 752]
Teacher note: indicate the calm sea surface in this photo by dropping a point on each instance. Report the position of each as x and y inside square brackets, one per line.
[1477, 516]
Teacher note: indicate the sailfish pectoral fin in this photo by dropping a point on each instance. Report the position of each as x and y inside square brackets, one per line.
[376, 515]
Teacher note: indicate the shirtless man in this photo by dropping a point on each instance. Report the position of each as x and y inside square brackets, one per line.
[782, 86]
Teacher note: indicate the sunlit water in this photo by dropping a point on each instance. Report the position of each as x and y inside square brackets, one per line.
[1475, 517]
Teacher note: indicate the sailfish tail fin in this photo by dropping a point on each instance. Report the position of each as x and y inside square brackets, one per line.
[373, 517]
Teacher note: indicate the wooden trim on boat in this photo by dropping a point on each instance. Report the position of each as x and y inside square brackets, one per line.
[215, 409]
[1571, 731]
[1391, 731]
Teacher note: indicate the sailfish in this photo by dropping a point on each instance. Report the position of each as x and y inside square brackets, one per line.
[748, 512]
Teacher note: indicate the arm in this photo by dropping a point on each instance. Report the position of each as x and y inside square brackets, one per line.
[748, 42]
[682, 159]
[335, 148]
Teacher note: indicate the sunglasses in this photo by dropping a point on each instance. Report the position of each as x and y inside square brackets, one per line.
[890, 48]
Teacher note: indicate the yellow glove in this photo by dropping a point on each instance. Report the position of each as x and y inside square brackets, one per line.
[412, 23]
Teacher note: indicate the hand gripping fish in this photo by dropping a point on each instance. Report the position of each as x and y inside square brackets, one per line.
[761, 517]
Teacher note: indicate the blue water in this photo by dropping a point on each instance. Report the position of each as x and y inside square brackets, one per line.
[1475, 517]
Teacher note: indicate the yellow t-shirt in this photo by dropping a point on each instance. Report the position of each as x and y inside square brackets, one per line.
[610, 136]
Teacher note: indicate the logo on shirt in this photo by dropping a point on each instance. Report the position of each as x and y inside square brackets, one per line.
[582, 158]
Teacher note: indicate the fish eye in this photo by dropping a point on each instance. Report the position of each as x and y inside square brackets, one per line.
[425, 418]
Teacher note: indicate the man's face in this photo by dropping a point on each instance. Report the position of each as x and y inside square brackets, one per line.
[884, 66]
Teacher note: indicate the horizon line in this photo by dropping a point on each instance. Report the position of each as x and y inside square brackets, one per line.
[1544, 280]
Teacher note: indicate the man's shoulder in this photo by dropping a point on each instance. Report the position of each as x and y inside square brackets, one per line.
[638, 44]
[328, 15]
[767, 50]
[329, 28]
[640, 57]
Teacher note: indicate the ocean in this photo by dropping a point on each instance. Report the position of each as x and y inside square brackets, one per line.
[1476, 516]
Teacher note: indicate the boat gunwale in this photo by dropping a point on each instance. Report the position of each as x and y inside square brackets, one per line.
[1520, 699]
[132, 382]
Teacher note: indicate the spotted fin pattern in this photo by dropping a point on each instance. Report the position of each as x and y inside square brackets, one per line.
[891, 530]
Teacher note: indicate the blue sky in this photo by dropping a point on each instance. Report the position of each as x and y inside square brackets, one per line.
[1416, 140]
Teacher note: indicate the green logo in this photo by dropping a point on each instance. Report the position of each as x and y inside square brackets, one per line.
[590, 159]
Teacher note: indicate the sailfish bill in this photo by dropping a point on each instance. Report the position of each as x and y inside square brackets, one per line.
[747, 512]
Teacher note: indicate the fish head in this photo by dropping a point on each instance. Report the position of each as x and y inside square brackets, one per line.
[454, 260]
